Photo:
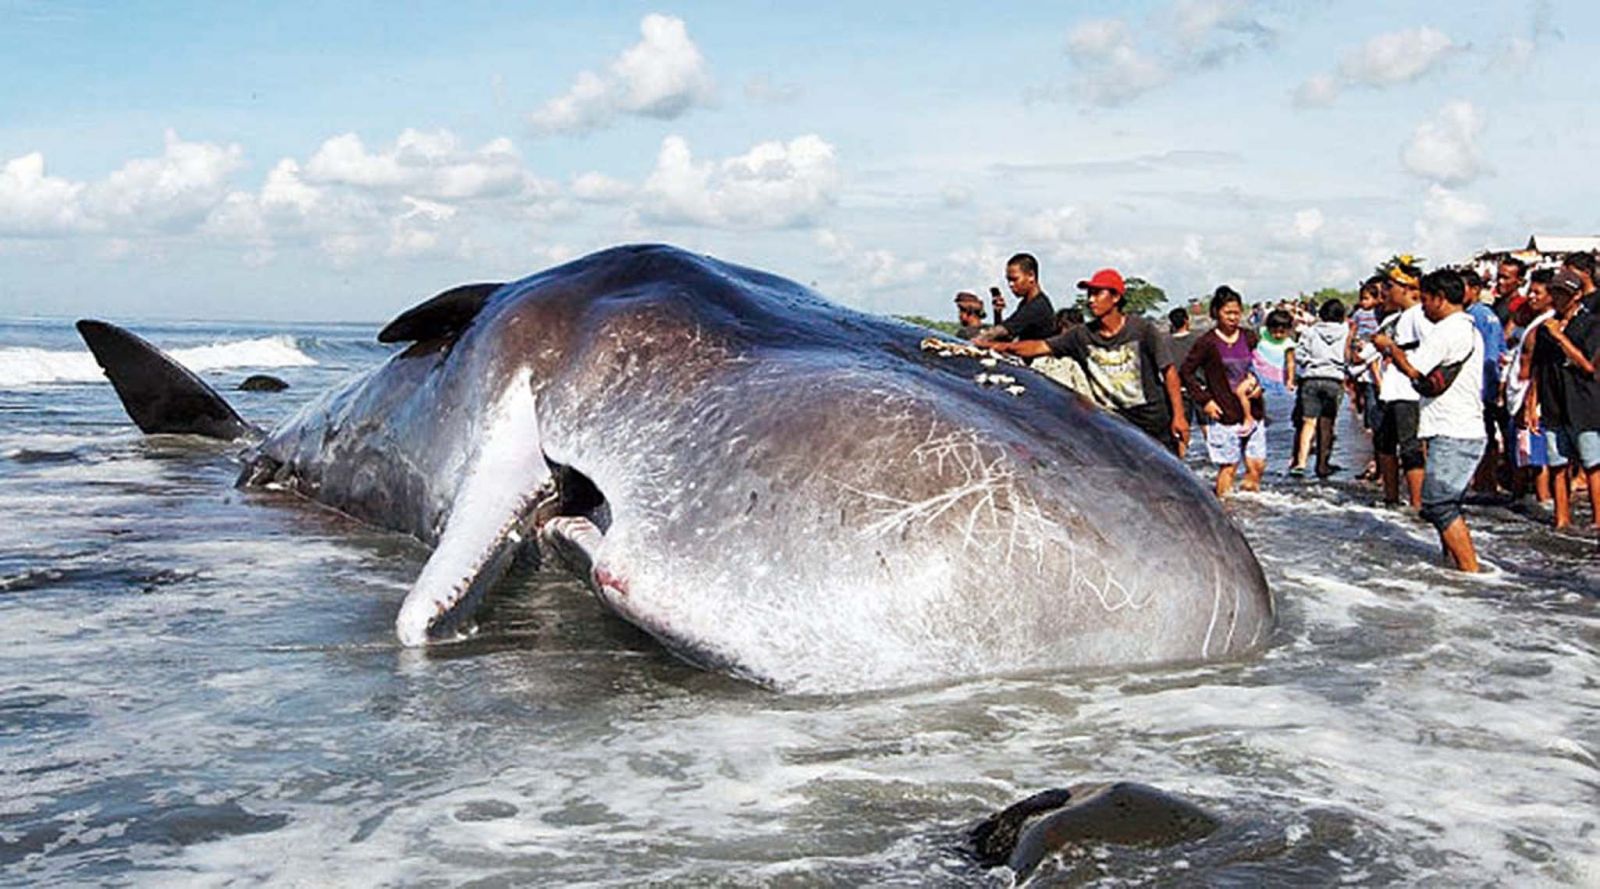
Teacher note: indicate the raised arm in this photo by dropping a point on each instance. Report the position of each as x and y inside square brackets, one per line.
[1569, 348]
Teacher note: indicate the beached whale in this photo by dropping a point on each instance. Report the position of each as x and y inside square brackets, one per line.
[768, 483]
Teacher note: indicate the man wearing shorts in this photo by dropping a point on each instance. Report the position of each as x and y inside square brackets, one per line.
[1451, 421]
[1398, 446]
[1553, 351]
[1320, 367]
[1579, 343]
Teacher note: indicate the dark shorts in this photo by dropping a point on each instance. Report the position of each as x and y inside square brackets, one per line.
[1155, 420]
[1396, 435]
[1320, 398]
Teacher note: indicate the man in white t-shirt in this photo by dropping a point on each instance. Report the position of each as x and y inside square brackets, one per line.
[1395, 440]
[1450, 420]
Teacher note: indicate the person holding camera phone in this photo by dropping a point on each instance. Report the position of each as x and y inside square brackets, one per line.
[1035, 317]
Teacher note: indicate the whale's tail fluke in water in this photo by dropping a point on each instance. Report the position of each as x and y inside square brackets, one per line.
[160, 395]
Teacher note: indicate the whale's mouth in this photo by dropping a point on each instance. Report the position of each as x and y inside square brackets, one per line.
[571, 520]
[571, 495]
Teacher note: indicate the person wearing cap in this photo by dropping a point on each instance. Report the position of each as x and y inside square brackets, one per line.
[1451, 419]
[969, 314]
[1395, 441]
[1552, 350]
[1582, 265]
[1035, 317]
[1127, 361]
[1579, 342]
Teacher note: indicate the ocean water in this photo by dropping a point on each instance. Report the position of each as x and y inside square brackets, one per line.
[199, 686]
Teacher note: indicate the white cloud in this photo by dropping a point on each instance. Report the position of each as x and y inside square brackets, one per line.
[1110, 69]
[1210, 32]
[1318, 91]
[1397, 57]
[662, 76]
[33, 203]
[1385, 60]
[1445, 149]
[773, 185]
[284, 187]
[420, 229]
[425, 163]
[1451, 226]
[598, 188]
[1054, 227]
[420, 196]
[1307, 223]
[172, 192]
[867, 268]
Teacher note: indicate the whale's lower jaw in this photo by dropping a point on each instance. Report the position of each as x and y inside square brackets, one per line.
[573, 543]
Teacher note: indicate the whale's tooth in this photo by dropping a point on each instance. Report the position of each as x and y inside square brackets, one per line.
[573, 541]
[488, 521]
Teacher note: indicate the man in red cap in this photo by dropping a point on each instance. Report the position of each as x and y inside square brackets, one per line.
[1126, 359]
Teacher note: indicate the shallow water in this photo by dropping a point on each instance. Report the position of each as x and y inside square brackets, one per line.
[200, 686]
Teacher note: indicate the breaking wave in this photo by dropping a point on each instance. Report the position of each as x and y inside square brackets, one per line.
[24, 366]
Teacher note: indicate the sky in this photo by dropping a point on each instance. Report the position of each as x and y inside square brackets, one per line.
[298, 161]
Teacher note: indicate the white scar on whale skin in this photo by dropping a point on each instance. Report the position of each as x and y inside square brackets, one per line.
[505, 474]
[985, 487]
[1102, 592]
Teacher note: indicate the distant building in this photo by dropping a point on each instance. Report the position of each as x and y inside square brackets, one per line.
[1561, 245]
[1543, 251]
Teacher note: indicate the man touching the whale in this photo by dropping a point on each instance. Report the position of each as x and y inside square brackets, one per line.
[1127, 360]
[1035, 317]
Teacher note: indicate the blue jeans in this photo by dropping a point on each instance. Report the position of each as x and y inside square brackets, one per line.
[1451, 465]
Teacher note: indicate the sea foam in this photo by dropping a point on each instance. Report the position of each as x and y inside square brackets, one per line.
[24, 366]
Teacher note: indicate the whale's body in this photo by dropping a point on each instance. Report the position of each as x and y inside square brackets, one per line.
[770, 483]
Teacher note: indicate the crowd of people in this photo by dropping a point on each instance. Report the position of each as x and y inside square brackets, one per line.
[1460, 387]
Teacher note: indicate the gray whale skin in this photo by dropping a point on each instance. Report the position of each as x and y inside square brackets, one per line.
[768, 483]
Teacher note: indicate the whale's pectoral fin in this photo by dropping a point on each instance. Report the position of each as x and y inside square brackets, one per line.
[160, 395]
[445, 315]
[491, 518]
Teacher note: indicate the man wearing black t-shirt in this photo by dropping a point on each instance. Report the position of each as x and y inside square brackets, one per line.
[1128, 362]
[1579, 341]
[1565, 358]
[1034, 318]
[1550, 381]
